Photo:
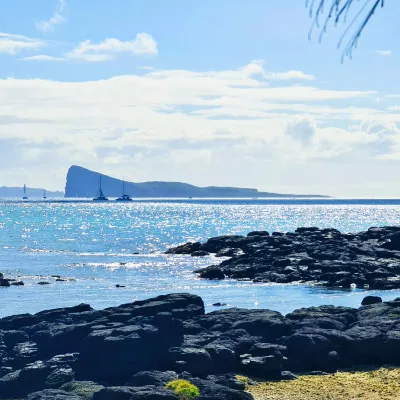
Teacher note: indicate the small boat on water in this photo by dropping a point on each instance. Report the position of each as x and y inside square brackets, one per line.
[100, 196]
[124, 197]
[44, 194]
[25, 197]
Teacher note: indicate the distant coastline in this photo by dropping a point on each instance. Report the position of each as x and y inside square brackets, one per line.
[8, 192]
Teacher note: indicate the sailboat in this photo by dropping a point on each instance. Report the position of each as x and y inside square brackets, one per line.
[25, 197]
[124, 197]
[44, 194]
[101, 196]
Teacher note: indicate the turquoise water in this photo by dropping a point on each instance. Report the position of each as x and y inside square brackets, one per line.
[96, 246]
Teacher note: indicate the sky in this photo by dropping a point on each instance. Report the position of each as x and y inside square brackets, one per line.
[211, 92]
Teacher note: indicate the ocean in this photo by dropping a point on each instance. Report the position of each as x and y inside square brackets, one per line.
[93, 247]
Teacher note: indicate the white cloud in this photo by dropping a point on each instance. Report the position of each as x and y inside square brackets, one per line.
[13, 44]
[104, 51]
[56, 19]
[290, 75]
[42, 57]
[385, 53]
[301, 129]
[146, 68]
[215, 127]
[91, 57]
[88, 51]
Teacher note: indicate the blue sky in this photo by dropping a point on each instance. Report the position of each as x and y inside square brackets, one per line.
[217, 92]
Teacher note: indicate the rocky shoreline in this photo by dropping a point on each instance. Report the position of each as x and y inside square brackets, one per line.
[369, 259]
[131, 351]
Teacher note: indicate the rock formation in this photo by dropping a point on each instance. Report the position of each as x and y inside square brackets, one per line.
[82, 182]
[369, 259]
[131, 351]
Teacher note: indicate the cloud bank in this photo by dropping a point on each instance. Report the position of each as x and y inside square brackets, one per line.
[277, 131]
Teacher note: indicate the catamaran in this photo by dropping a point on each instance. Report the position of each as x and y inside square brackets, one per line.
[124, 197]
[25, 197]
[101, 196]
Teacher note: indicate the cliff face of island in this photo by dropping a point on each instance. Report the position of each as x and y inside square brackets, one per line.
[82, 182]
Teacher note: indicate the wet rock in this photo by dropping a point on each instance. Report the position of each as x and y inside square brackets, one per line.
[228, 380]
[265, 367]
[24, 381]
[309, 255]
[43, 283]
[18, 321]
[53, 394]
[187, 248]
[222, 357]
[142, 345]
[84, 389]
[155, 378]
[392, 241]
[266, 349]
[4, 282]
[24, 353]
[17, 283]
[258, 233]
[212, 274]
[197, 361]
[229, 252]
[212, 391]
[59, 377]
[288, 376]
[371, 300]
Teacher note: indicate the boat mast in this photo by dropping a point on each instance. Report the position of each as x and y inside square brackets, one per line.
[25, 197]
[101, 194]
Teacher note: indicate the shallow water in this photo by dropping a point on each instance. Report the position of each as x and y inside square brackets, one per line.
[95, 246]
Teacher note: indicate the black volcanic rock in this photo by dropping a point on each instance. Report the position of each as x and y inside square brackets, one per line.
[309, 255]
[132, 351]
[82, 182]
[371, 300]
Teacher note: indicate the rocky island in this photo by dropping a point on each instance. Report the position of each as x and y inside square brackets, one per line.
[131, 351]
[82, 182]
[369, 259]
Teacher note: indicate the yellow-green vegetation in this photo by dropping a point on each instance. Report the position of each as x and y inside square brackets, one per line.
[382, 384]
[184, 389]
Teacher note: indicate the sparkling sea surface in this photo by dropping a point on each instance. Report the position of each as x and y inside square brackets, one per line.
[95, 246]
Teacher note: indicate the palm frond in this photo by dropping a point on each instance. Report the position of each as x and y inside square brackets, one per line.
[338, 12]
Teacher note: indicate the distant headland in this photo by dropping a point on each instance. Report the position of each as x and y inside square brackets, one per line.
[82, 182]
[7, 192]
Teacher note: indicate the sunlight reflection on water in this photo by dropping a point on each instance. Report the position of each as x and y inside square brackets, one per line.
[96, 244]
